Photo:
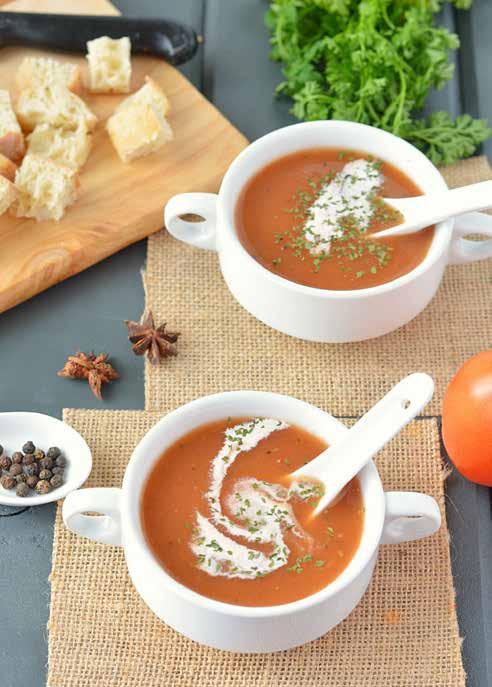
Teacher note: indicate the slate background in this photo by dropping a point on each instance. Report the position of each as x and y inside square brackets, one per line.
[233, 71]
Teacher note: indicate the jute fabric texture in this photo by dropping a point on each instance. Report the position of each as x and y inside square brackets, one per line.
[404, 633]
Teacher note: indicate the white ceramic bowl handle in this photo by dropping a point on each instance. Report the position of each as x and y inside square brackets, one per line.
[105, 527]
[198, 234]
[465, 250]
[409, 516]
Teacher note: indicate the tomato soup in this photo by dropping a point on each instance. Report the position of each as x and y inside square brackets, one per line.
[221, 515]
[309, 216]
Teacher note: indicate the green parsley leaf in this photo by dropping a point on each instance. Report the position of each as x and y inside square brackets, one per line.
[375, 62]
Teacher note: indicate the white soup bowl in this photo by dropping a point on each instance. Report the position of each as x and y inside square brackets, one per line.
[322, 314]
[390, 518]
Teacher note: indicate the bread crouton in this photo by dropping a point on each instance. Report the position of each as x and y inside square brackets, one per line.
[44, 71]
[109, 65]
[11, 138]
[70, 148]
[149, 94]
[138, 130]
[54, 105]
[45, 188]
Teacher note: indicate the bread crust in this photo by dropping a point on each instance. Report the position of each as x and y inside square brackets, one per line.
[8, 194]
[12, 143]
[13, 146]
[7, 168]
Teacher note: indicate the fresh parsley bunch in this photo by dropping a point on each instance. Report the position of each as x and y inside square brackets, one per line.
[372, 61]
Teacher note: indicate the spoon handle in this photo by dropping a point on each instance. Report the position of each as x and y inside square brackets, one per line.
[424, 211]
[336, 466]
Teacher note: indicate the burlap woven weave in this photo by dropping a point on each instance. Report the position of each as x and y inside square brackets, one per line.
[223, 347]
[404, 632]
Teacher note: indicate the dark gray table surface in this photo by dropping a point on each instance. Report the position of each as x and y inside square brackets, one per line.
[86, 312]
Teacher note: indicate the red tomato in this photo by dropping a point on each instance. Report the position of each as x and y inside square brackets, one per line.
[467, 419]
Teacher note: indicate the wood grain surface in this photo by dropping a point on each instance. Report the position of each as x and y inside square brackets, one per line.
[118, 204]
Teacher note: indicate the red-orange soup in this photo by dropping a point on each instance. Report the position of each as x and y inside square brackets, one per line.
[254, 545]
[273, 210]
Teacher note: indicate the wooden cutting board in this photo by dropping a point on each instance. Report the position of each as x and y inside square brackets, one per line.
[118, 204]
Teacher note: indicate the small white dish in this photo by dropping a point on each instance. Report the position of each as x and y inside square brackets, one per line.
[44, 431]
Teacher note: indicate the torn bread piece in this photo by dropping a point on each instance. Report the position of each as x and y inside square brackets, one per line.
[64, 146]
[11, 138]
[44, 71]
[138, 130]
[7, 168]
[45, 188]
[55, 105]
[110, 68]
[149, 94]
[8, 193]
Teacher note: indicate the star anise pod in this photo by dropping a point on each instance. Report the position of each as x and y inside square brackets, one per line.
[147, 338]
[92, 367]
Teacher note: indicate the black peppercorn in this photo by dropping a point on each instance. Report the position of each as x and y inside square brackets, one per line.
[58, 471]
[39, 454]
[22, 489]
[28, 459]
[28, 447]
[56, 481]
[5, 463]
[53, 452]
[61, 461]
[43, 486]
[32, 470]
[45, 474]
[20, 478]
[8, 482]
[32, 481]
[46, 463]
[15, 469]
[17, 457]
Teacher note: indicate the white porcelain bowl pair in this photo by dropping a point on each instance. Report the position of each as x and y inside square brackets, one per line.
[303, 311]
[390, 518]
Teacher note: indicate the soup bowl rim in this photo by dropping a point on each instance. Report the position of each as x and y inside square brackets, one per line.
[228, 190]
[131, 504]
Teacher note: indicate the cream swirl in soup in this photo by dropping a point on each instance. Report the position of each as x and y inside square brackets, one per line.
[221, 515]
[309, 217]
[349, 194]
[254, 512]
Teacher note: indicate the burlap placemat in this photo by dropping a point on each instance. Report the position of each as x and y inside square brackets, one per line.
[403, 634]
[223, 347]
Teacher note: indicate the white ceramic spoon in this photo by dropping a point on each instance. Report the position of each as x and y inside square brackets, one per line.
[424, 211]
[44, 431]
[336, 466]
